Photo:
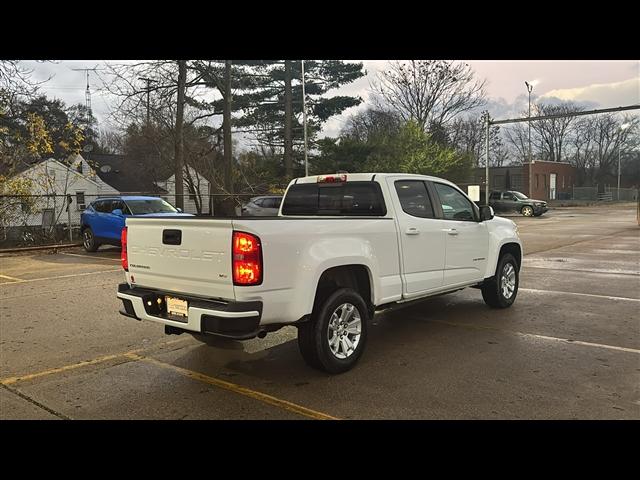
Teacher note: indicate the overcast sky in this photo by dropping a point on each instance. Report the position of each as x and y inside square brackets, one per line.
[598, 84]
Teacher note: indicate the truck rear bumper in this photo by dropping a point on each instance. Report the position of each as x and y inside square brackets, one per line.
[238, 320]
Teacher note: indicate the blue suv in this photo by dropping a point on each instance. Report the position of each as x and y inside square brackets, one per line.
[103, 220]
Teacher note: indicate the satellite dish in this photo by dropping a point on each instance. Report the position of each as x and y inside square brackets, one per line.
[87, 148]
[105, 168]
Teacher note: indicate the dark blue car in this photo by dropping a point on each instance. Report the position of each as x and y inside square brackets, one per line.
[103, 220]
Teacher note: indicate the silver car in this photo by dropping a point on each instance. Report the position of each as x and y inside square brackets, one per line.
[265, 206]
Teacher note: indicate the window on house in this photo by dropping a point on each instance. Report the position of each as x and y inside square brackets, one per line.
[80, 201]
[537, 181]
[544, 181]
[562, 181]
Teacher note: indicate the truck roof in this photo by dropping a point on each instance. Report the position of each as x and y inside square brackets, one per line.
[368, 177]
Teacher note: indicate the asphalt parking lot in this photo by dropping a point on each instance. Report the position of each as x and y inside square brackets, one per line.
[569, 348]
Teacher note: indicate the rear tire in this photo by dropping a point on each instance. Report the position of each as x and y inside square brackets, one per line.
[501, 292]
[89, 240]
[334, 338]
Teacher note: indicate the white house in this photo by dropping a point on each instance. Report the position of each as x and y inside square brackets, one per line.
[80, 181]
[53, 185]
[200, 193]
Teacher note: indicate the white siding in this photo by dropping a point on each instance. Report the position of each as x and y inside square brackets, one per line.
[51, 181]
[189, 204]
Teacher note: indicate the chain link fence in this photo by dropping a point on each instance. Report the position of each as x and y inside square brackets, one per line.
[32, 220]
[585, 194]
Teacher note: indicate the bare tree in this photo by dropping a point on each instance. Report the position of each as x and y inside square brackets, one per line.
[467, 135]
[518, 139]
[553, 132]
[598, 140]
[431, 92]
[288, 115]
[16, 81]
[370, 123]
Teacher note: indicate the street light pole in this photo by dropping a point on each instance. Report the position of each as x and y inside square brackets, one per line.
[304, 121]
[530, 89]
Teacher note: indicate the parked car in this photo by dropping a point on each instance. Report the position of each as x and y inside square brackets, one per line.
[102, 221]
[512, 201]
[265, 206]
[342, 247]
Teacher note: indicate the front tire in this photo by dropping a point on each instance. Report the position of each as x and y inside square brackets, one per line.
[501, 292]
[335, 337]
[89, 240]
[527, 211]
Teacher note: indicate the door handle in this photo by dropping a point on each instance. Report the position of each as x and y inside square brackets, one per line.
[452, 231]
[412, 231]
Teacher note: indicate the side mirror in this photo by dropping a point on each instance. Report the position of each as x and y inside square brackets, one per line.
[486, 213]
[179, 210]
[117, 212]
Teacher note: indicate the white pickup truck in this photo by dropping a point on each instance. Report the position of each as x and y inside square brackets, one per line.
[341, 247]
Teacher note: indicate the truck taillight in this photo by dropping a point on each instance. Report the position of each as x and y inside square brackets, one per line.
[123, 253]
[247, 259]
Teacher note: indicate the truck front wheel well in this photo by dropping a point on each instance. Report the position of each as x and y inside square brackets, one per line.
[355, 277]
[513, 249]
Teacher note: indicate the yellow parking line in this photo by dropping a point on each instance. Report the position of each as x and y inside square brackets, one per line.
[13, 279]
[10, 380]
[232, 387]
[64, 276]
[73, 366]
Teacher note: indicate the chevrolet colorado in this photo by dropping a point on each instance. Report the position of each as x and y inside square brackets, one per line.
[341, 247]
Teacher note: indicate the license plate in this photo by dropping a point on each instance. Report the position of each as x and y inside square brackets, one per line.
[177, 306]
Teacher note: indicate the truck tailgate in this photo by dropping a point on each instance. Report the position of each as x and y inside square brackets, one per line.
[189, 255]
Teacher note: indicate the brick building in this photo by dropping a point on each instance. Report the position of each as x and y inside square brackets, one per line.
[551, 180]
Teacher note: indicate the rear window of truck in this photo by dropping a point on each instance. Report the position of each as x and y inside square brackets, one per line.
[349, 199]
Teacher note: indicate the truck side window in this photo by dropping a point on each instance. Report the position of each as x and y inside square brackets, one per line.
[455, 205]
[414, 198]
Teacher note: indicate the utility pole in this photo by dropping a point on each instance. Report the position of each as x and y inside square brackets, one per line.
[304, 120]
[486, 164]
[179, 139]
[148, 90]
[288, 145]
[530, 89]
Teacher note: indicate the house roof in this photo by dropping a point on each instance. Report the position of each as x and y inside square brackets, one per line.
[15, 167]
[124, 173]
